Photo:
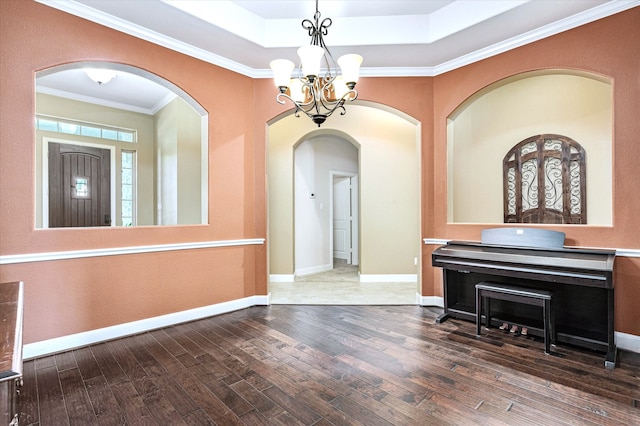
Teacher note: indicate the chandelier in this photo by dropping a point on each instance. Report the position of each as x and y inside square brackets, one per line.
[315, 90]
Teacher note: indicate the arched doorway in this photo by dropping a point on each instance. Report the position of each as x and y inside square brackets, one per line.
[323, 202]
[389, 183]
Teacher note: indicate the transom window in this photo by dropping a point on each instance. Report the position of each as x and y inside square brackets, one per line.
[72, 127]
[545, 181]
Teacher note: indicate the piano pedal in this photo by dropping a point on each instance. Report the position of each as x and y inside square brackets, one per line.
[504, 326]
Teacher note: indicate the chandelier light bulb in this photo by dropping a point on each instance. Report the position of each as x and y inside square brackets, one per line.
[339, 87]
[350, 66]
[297, 90]
[311, 58]
[282, 69]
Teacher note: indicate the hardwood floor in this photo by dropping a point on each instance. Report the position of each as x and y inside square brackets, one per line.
[323, 365]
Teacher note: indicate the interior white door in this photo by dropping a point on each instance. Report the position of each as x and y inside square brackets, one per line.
[342, 218]
[355, 214]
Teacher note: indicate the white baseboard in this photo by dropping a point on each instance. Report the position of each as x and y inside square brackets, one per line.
[437, 301]
[281, 278]
[388, 278]
[65, 343]
[363, 278]
[313, 270]
[629, 342]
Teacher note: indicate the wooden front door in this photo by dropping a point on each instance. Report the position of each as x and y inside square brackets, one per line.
[79, 186]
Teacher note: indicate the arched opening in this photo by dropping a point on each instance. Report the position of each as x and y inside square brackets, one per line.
[389, 191]
[482, 129]
[325, 203]
[149, 136]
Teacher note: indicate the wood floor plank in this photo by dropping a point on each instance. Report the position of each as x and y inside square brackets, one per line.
[131, 404]
[570, 387]
[162, 409]
[357, 411]
[210, 365]
[169, 362]
[132, 368]
[318, 401]
[215, 409]
[291, 405]
[52, 408]
[255, 418]
[87, 363]
[28, 412]
[449, 379]
[65, 361]
[169, 344]
[329, 365]
[257, 399]
[76, 398]
[229, 397]
[45, 362]
[198, 418]
[104, 403]
[171, 391]
[178, 334]
[109, 367]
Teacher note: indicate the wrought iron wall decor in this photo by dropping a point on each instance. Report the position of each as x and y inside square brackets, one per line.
[545, 181]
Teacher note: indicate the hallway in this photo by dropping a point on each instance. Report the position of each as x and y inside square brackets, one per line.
[341, 286]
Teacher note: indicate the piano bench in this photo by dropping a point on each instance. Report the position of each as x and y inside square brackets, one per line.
[486, 290]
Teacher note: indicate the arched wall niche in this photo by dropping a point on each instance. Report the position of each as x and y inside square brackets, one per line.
[170, 146]
[389, 173]
[482, 129]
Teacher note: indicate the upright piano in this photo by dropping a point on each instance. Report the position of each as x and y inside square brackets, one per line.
[581, 281]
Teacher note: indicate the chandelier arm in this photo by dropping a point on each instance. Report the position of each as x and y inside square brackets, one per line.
[300, 107]
[282, 101]
[310, 27]
[323, 29]
[295, 104]
[350, 96]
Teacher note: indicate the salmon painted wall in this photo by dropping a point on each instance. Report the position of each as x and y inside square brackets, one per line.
[71, 296]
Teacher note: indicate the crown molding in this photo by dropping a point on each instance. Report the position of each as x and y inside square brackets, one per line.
[591, 15]
[91, 14]
[92, 100]
[86, 12]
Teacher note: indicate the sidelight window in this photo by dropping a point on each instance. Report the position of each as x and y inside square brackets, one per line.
[128, 187]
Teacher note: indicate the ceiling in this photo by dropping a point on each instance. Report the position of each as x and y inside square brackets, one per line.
[396, 38]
